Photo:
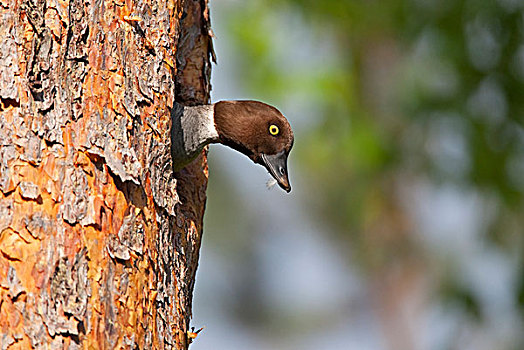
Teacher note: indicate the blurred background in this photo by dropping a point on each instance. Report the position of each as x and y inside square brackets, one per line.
[405, 226]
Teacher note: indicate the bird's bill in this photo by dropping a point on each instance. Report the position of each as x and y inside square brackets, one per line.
[276, 164]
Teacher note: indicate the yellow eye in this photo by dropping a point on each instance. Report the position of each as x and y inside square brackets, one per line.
[273, 129]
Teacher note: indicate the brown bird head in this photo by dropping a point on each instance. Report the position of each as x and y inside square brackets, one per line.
[259, 131]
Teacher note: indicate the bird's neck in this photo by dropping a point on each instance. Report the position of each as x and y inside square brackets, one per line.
[192, 129]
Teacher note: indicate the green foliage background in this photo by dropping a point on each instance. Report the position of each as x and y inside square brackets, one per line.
[402, 95]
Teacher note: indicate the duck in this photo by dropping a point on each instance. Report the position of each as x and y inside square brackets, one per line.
[253, 128]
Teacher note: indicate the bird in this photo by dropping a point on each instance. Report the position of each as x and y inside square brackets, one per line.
[253, 128]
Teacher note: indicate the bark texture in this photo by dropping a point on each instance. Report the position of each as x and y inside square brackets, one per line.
[99, 239]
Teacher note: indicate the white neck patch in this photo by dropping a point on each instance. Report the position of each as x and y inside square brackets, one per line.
[198, 125]
[192, 129]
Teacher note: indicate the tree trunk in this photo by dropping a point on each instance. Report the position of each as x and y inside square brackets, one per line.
[99, 239]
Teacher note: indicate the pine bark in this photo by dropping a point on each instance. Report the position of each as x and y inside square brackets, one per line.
[99, 239]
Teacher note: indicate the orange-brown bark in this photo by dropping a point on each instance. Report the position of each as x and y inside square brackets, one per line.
[99, 239]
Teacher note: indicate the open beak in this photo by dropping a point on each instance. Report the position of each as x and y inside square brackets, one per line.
[277, 166]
